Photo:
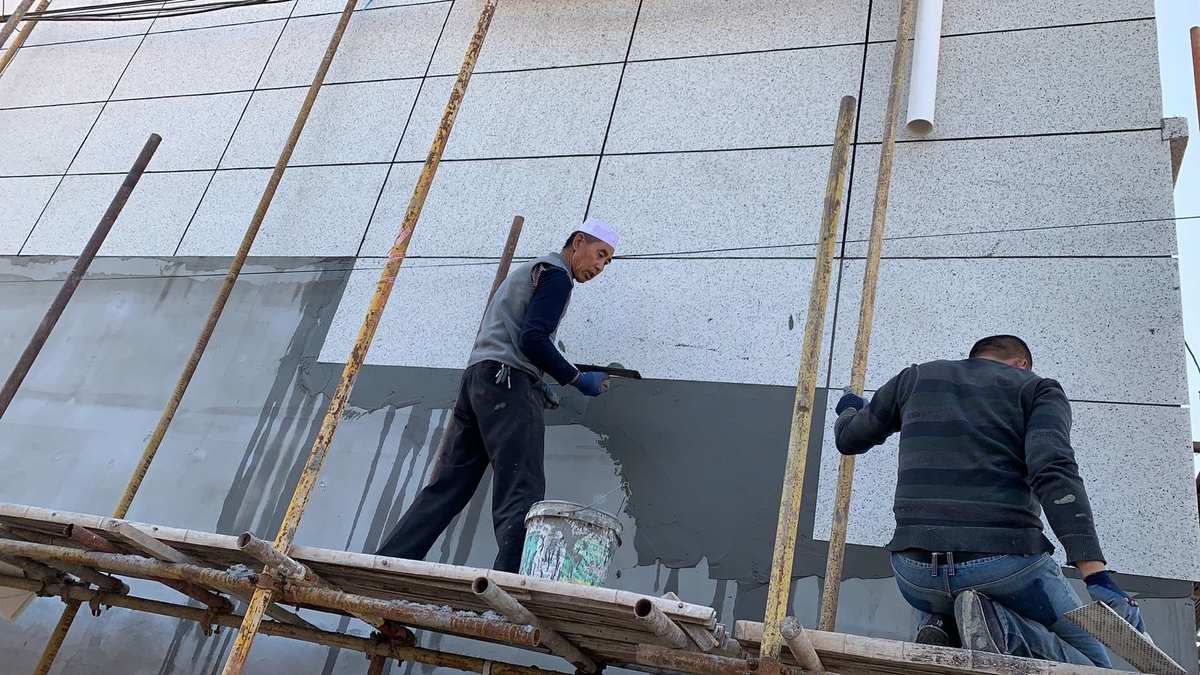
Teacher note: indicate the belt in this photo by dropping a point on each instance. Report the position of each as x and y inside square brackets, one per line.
[947, 558]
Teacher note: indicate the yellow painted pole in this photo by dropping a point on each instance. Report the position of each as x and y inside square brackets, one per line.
[50, 651]
[383, 289]
[22, 35]
[866, 311]
[806, 389]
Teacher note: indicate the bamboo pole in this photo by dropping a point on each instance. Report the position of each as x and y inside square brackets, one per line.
[22, 35]
[235, 268]
[214, 315]
[866, 311]
[366, 333]
[408, 613]
[806, 387]
[54, 312]
[375, 648]
[13, 19]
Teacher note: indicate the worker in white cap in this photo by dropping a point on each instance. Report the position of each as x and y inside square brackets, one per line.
[498, 418]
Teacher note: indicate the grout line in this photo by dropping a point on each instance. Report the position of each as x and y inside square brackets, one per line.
[612, 112]
[233, 131]
[404, 131]
[1026, 29]
[86, 136]
[837, 291]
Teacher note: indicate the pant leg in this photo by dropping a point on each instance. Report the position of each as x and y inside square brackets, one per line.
[927, 593]
[1032, 598]
[513, 431]
[456, 474]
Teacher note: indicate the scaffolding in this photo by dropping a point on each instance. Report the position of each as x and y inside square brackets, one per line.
[81, 558]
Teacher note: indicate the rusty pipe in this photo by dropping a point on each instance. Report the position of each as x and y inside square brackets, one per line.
[1195, 36]
[267, 554]
[654, 620]
[54, 312]
[366, 334]
[801, 646]
[499, 599]
[408, 613]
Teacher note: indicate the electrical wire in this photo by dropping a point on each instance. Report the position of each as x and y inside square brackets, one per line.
[1193, 355]
[478, 261]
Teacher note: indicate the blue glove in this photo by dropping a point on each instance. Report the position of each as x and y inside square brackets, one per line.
[850, 400]
[1102, 587]
[591, 384]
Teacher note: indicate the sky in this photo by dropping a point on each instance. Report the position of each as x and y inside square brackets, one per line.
[1175, 17]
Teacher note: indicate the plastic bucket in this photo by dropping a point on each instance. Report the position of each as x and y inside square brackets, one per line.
[568, 542]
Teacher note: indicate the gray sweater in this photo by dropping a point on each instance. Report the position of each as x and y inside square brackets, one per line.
[981, 445]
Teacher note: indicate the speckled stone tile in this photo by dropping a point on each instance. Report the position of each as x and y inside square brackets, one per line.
[276, 11]
[1135, 461]
[318, 211]
[670, 319]
[392, 42]
[1031, 82]
[194, 130]
[715, 200]
[742, 101]
[1085, 320]
[669, 28]
[974, 197]
[971, 16]
[199, 61]
[472, 204]
[311, 7]
[150, 224]
[23, 200]
[43, 140]
[52, 32]
[348, 123]
[538, 34]
[525, 114]
[67, 73]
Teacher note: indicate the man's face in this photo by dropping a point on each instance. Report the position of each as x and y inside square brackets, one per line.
[588, 259]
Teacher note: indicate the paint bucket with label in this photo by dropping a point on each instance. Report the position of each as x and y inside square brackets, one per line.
[568, 542]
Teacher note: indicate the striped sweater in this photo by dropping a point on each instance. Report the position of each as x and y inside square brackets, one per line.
[982, 443]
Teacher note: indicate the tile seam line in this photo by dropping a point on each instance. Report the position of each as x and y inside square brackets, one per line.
[612, 111]
[233, 131]
[772, 148]
[1027, 29]
[840, 257]
[233, 24]
[412, 111]
[99, 113]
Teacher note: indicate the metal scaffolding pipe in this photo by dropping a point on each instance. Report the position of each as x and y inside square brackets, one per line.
[499, 599]
[653, 619]
[782, 559]
[866, 314]
[371, 647]
[25, 362]
[801, 647]
[408, 613]
[22, 35]
[267, 554]
[358, 354]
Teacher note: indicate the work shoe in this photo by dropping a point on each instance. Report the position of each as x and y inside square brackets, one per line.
[978, 623]
[937, 630]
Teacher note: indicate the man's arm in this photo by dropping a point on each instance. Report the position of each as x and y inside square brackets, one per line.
[552, 289]
[857, 431]
[1054, 475]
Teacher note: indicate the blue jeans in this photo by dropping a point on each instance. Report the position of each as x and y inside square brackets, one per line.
[1030, 594]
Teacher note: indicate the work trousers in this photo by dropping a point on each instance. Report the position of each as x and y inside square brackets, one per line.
[497, 421]
[1030, 594]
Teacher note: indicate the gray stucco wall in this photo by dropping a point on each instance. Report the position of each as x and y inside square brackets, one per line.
[693, 125]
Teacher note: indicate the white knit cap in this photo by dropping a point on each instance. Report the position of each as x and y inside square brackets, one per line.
[601, 230]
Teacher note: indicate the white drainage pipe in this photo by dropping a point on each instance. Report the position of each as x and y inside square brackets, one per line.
[927, 47]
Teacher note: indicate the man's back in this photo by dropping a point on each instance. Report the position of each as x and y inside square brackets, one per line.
[980, 443]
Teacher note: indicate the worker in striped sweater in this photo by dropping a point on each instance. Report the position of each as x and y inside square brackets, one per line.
[983, 442]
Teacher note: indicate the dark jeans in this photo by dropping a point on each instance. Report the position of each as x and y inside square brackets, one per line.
[494, 422]
[1030, 593]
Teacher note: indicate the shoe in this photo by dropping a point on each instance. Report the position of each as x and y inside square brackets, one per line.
[937, 630]
[978, 623]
